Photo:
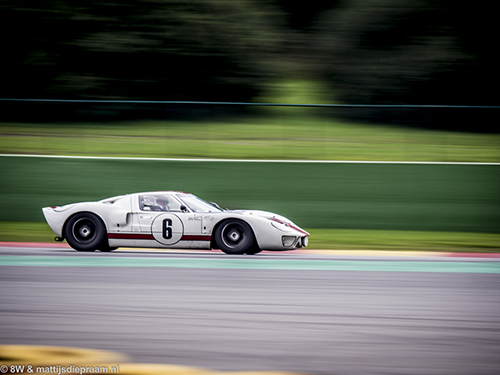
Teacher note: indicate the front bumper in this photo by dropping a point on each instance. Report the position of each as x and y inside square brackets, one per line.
[294, 242]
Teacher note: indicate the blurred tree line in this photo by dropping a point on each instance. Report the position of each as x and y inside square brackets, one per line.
[365, 51]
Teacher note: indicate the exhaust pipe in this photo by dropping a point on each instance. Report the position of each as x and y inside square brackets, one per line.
[58, 239]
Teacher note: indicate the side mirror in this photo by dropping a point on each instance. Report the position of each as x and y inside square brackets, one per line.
[184, 208]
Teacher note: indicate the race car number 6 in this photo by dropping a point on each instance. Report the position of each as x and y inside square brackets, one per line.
[167, 229]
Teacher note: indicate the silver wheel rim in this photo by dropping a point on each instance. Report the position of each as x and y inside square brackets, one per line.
[84, 230]
[233, 235]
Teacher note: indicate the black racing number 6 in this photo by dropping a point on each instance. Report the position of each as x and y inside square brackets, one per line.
[167, 229]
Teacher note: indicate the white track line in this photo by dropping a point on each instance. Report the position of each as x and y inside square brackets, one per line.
[245, 160]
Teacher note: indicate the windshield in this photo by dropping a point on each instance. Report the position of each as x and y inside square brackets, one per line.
[197, 204]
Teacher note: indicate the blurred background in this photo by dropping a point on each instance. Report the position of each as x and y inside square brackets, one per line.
[115, 60]
[405, 52]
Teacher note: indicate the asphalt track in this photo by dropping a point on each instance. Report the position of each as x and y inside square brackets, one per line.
[296, 312]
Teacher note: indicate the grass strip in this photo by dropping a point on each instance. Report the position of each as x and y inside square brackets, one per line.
[332, 239]
[356, 239]
[287, 137]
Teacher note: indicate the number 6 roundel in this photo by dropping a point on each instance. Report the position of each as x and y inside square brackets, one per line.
[167, 229]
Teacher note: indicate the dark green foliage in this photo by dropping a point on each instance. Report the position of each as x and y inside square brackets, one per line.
[135, 49]
[412, 52]
[368, 52]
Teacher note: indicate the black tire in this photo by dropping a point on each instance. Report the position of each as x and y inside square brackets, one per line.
[253, 251]
[104, 247]
[234, 236]
[86, 232]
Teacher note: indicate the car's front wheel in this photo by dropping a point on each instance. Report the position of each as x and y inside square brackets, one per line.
[235, 236]
[86, 232]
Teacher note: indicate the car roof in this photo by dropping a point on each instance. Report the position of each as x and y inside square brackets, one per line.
[115, 198]
[161, 192]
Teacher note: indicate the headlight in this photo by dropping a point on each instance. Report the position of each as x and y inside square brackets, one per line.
[288, 240]
[305, 241]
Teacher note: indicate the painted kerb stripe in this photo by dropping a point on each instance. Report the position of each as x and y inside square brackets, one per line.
[249, 264]
[243, 160]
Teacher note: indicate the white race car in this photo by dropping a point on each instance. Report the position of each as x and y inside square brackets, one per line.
[170, 219]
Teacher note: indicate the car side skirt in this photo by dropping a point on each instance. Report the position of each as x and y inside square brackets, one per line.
[147, 240]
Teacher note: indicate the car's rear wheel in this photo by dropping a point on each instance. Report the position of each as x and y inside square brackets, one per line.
[104, 247]
[86, 232]
[235, 236]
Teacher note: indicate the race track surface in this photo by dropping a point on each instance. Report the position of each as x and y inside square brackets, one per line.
[297, 312]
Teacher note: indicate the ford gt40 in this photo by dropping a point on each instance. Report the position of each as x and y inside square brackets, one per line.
[170, 219]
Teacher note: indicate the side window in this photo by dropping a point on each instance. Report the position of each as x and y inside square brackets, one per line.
[158, 202]
[153, 203]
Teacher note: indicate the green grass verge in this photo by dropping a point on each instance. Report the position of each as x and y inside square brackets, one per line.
[300, 136]
[334, 239]
[25, 232]
[353, 239]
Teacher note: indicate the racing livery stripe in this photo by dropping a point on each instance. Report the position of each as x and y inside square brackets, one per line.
[137, 236]
[196, 238]
[130, 236]
[299, 230]
[290, 226]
